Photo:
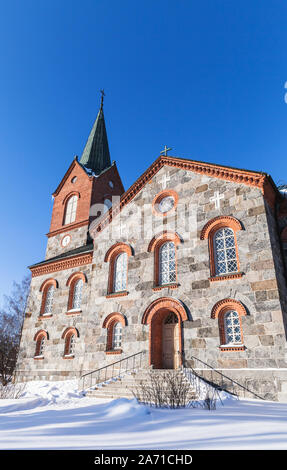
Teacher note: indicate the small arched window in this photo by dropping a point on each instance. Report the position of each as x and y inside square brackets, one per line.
[40, 338]
[167, 263]
[75, 282]
[49, 300]
[121, 272]
[70, 335]
[71, 210]
[77, 294]
[114, 324]
[229, 313]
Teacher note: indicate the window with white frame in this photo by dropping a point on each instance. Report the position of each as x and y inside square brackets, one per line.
[77, 294]
[71, 210]
[167, 263]
[117, 335]
[120, 272]
[225, 252]
[49, 300]
[71, 348]
[232, 328]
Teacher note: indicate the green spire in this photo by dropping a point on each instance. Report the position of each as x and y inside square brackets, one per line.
[96, 154]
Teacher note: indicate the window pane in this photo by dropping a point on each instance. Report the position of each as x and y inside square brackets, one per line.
[120, 273]
[232, 328]
[72, 344]
[167, 264]
[77, 295]
[49, 300]
[117, 335]
[225, 252]
[71, 209]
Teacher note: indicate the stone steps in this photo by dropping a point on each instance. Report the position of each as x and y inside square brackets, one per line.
[124, 386]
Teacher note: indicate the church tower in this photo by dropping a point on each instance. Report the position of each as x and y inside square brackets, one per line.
[84, 194]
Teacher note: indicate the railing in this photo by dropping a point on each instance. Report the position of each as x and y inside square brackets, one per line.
[112, 371]
[218, 380]
[202, 388]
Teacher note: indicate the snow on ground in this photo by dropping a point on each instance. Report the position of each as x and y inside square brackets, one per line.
[53, 415]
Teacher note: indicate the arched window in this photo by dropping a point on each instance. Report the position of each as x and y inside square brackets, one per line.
[229, 313]
[48, 291]
[165, 264]
[223, 250]
[40, 338]
[71, 210]
[70, 335]
[118, 256]
[114, 323]
[76, 282]
[117, 335]
[120, 272]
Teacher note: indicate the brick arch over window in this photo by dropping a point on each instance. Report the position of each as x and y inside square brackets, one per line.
[153, 316]
[110, 324]
[111, 256]
[47, 288]
[75, 282]
[69, 336]
[39, 337]
[219, 311]
[156, 246]
[223, 248]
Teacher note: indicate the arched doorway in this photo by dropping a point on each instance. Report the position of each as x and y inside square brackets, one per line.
[165, 318]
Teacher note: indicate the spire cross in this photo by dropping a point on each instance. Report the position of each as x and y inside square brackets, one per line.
[165, 150]
[102, 97]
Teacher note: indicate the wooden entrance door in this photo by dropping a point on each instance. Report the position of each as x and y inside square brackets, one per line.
[170, 342]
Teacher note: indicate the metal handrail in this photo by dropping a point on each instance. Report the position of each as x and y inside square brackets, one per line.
[112, 371]
[223, 376]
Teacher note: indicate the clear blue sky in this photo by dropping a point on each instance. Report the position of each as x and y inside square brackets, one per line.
[205, 77]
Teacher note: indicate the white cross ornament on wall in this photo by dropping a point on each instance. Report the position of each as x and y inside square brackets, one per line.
[216, 199]
[165, 180]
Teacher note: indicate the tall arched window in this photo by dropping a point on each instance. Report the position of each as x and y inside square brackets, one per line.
[223, 250]
[121, 272]
[77, 294]
[118, 256]
[229, 313]
[71, 210]
[167, 265]
[48, 291]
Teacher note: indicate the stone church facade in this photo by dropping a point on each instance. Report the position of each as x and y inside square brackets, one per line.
[189, 265]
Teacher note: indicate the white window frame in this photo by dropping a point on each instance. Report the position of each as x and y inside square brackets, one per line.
[71, 210]
[120, 272]
[224, 255]
[167, 267]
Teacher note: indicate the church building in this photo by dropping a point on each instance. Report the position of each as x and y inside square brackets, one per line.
[188, 267]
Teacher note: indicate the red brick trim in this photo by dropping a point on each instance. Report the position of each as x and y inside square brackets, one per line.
[111, 256]
[41, 333]
[220, 222]
[167, 303]
[159, 197]
[109, 323]
[49, 282]
[169, 286]
[226, 277]
[155, 245]
[117, 294]
[70, 330]
[67, 197]
[218, 311]
[67, 227]
[75, 276]
[249, 178]
[60, 265]
[44, 288]
[67, 174]
[209, 231]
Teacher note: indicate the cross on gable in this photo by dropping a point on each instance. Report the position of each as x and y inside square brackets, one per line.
[165, 179]
[165, 150]
[216, 199]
